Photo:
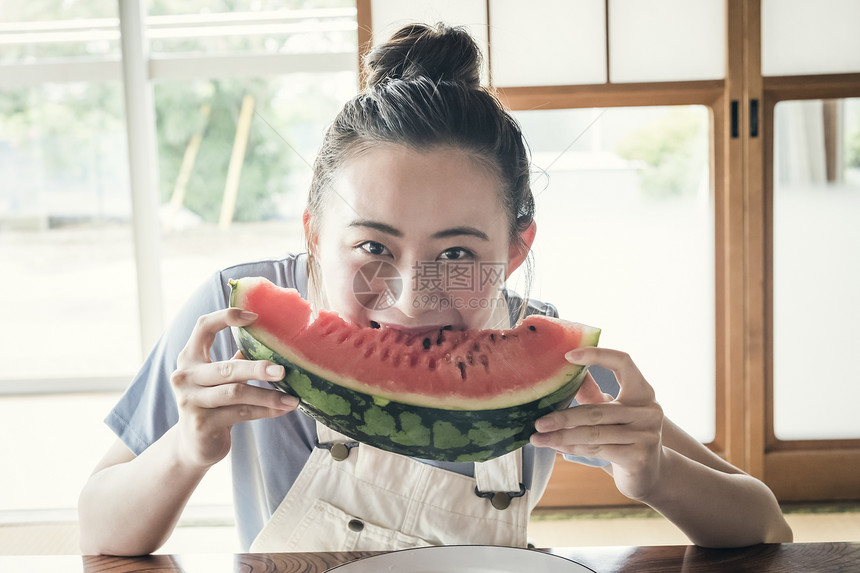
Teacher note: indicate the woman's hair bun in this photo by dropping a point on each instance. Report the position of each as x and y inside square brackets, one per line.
[438, 53]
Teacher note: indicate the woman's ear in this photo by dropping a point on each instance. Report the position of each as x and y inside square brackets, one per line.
[311, 241]
[518, 252]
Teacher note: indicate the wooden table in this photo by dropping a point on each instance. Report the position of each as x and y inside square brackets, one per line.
[788, 557]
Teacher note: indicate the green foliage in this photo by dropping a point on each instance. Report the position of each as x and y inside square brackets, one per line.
[265, 165]
[668, 149]
[287, 114]
[160, 7]
[76, 131]
[47, 10]
[67, 122]
[852, 147]
[42, 10]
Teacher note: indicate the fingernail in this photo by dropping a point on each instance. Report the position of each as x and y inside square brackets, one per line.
[290, 401]
[545, 424]
[539, 439]
[248, 315]
[574, 354]
[275, 371]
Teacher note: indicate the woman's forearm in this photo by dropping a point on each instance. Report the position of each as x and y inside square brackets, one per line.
[131, 508]
[715, 508]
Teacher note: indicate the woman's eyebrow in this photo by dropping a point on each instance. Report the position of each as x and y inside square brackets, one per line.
[381, 227]
[459, 231]
[444, 234]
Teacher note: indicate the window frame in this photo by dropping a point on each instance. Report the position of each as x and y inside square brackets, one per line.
[797, 469]
[741, 171]
[575, 484]
[741, 168]
[137, 62]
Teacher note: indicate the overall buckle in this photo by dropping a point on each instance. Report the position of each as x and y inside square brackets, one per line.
[339, 450]
[501, 499]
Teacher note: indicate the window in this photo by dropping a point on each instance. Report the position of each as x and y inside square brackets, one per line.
[66, 217]
[816, 266]
[198, 121]
[66, 235]
[626, 240]
[738, 60]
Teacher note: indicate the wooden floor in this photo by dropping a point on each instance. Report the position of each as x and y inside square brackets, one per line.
[548, 528]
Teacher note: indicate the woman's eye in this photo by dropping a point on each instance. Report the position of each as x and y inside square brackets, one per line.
[456, 253]
[374, 248]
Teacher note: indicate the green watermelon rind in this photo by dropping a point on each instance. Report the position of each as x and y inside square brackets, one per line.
[417, 431]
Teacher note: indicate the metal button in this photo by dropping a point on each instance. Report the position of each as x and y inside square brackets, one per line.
[339, 452]
[501, 500]
[355, 525]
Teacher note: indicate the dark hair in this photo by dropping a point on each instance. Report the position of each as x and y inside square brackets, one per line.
[415, 51]
[422, 90]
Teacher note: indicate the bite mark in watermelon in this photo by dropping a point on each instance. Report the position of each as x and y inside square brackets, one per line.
[448, 395]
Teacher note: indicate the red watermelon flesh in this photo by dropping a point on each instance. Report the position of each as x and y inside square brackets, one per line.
[467, 370]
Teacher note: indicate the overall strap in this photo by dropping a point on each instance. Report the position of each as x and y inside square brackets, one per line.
[504, 473]
[337, 444]
[326, 435]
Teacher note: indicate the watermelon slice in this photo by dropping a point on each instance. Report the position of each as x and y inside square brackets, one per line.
[446, 395]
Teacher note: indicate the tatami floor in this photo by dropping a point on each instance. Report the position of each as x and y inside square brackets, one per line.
[810, 523]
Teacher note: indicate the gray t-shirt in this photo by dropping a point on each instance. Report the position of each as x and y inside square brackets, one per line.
[266, 455]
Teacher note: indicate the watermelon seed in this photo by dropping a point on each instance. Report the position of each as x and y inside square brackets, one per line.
[432, 363]
[396, 360]
[374, 324]
[485, 361]
[532, 327]
[359, 341]
[476, 347]
[447, 327]
[469, 358]
[385, 354]
[504, 337]
[342, 338]
[426, 344]
[462, 367]
[413, 360]
[369, 351]
[493, 337]
[440, 338]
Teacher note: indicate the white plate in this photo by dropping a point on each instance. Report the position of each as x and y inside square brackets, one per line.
[463, 559]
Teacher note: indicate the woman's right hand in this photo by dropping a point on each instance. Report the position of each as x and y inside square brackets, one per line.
[212, 396]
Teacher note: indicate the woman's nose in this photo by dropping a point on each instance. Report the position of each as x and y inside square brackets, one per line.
[423, 288]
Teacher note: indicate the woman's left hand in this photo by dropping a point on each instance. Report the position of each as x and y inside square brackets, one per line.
[625, 431]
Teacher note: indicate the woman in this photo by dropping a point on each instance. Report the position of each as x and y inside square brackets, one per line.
[424, 166]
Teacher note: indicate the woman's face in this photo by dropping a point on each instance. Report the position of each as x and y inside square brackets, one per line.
[416, 240]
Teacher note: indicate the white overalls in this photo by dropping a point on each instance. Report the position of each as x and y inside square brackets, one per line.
[360, 498]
